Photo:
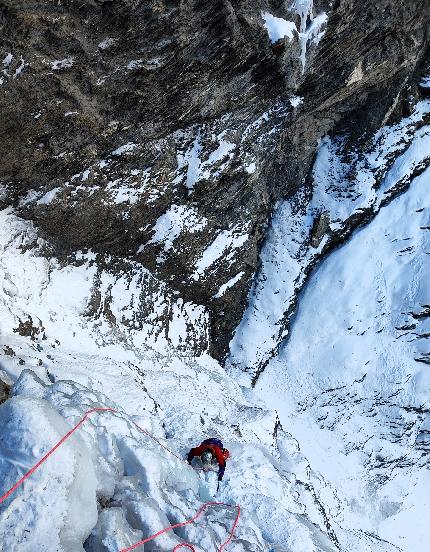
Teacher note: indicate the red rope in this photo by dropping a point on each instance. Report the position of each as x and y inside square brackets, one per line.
[183, 523]
[180, 524]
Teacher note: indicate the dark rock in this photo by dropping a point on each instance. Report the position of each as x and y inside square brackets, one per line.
[8, 351]
[4, 391]
[320, 229]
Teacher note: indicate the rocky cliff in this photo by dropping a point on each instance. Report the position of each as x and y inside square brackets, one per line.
[163, 133]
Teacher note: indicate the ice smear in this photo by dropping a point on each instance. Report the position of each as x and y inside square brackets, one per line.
[193, 160]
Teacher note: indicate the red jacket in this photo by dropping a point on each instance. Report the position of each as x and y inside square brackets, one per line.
[216, 451]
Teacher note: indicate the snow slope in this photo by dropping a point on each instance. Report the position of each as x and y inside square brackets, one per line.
[352, 382]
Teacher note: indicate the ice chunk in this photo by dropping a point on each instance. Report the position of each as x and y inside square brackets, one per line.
[278, 28]
[112, 532]
[30, 427]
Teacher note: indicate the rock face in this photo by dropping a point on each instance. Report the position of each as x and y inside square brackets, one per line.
[163, 133]
[4, 391]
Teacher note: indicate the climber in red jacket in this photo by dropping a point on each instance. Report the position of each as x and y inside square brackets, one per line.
[209, 450]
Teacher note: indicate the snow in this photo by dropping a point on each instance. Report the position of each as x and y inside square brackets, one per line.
[228, 285]
[193, 159]
[286, 254]
[63, 295]
[222, 151]
[425, 82]
[120, 192]
[48, 197]
[65, 63]
[264, 118]
[170, 225]
[20, 68]
[345, 355]
[251, 167]
[278, 28]
[350, 384]
[95, 334]
[7, 60]
[226, 240]
[110, 460]
[134, 64]
[295, 101]
[106, 43]
[125, 149]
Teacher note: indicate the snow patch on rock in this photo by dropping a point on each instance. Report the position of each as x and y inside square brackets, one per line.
[227, 240]
[177, 219]
[60, 64]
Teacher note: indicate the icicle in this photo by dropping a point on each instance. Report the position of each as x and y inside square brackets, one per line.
[310, 27]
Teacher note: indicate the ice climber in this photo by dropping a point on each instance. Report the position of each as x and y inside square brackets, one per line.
[208, 451]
